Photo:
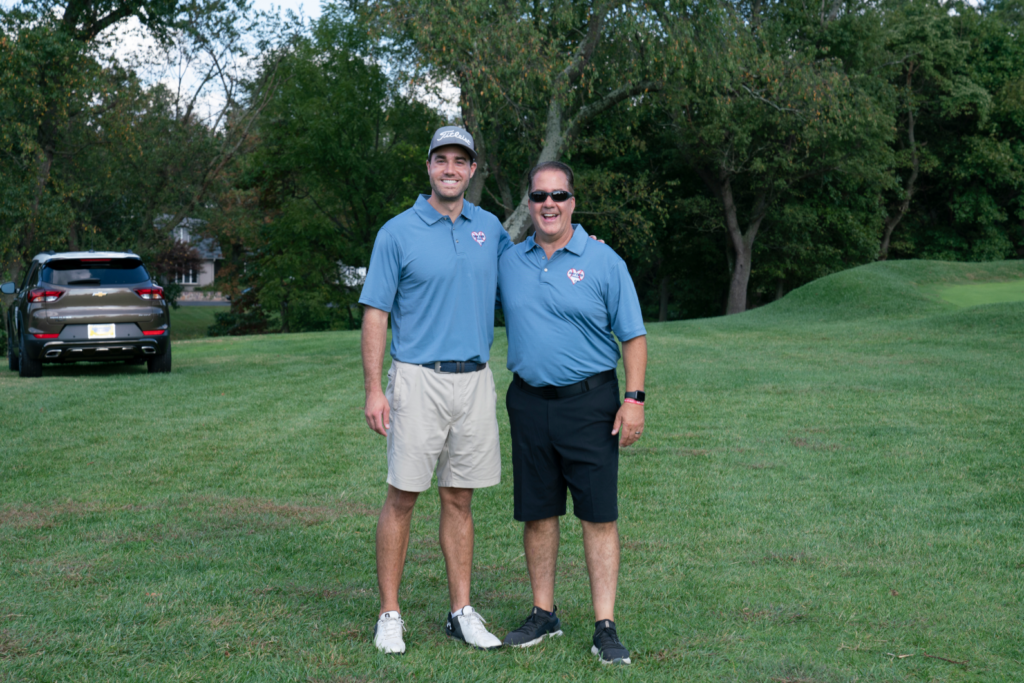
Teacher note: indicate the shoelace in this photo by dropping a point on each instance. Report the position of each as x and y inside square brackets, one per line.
[609, 638]
[392, 627]
[478, 621]
[534, 618]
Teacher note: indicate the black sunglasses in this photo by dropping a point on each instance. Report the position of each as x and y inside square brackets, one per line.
[558, 195]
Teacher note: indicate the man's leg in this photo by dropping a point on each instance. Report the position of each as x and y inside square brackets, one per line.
[540, 542]
[601, 546]
[392, 544]
[457, 545]
[456, 534]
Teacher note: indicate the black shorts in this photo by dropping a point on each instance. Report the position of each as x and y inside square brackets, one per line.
[565, 443]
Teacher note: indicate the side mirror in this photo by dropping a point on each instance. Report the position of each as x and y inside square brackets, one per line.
[8, 288]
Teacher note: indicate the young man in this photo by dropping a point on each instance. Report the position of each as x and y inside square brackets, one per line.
[563, 297]
[434, 270]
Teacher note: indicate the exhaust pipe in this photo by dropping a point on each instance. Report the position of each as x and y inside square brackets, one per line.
[53, 353]
[149, 350]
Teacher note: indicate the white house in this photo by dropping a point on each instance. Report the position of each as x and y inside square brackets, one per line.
[209, 252]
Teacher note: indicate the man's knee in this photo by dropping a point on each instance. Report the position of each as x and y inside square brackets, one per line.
[600, 529]
[456, 500]
[540, 526]
[400, 502]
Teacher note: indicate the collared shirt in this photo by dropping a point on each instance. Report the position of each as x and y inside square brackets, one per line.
[437, 279]
[560, 314]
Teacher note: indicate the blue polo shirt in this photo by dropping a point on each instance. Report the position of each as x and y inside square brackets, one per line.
[437, 279]
[560, 314]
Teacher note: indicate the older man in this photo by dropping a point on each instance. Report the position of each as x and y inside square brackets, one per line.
[564, 296]
[434, 270]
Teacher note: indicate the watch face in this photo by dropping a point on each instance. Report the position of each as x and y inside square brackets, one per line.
[636, 395]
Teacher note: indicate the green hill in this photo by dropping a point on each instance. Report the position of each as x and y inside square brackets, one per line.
[897, 290]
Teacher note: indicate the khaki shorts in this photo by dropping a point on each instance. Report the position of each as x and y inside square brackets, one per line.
[442, 421]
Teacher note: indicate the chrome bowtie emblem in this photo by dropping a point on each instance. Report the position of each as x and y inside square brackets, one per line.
[99, 293]
[575, 275]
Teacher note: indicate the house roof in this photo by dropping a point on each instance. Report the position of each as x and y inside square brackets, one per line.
[208, 249]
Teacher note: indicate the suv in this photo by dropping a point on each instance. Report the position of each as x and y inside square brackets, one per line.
[86, 305]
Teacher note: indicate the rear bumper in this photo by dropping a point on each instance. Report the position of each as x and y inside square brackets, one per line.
[61, 351]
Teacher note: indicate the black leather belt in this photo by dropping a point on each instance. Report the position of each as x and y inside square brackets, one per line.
[550, 392]
[454, 366]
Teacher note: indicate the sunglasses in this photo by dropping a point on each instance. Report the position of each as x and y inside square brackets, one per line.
[558, 196]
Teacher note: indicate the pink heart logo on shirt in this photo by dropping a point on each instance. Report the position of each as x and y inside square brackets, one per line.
[575, 275]
[479, 237]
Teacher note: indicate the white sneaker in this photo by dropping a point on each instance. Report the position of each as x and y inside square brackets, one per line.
[469, 627]
[387, 634]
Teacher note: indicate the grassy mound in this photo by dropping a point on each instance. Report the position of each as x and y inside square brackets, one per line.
[887, 290]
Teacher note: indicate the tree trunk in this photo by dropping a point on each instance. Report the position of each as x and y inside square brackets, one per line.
[741, 244]
[663, 300]
[554, 139]
[284, 316]
[908, 191]
[470, 117]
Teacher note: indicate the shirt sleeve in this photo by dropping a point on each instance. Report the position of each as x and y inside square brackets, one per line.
[383, 274]
[504, 241]
[624, 313]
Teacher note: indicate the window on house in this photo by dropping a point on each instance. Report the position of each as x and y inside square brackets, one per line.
[181, 235]
[189, 277]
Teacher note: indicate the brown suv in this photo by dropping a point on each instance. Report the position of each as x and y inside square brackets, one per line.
[87, 306]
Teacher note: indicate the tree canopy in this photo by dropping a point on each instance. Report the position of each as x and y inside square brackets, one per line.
[729, 151]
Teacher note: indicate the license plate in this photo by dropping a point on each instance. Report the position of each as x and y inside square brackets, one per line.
[101, 331]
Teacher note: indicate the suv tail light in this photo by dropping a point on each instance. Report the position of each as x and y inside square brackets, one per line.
[47, 335]
[47, 295]
[153, 333]
[151, 293]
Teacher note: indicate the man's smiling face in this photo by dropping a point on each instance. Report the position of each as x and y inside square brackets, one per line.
[551, 219]
[450, 169]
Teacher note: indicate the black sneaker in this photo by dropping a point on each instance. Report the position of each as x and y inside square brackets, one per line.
[538, 626]
[607, 646]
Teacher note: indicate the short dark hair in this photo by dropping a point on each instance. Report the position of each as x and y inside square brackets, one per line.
[553, 166]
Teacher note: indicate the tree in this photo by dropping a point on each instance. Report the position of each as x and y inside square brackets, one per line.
[339, 151]
[87, 148]
[755, 118]
[531, 75]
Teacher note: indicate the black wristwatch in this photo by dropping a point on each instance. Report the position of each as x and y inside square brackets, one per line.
[637, 396]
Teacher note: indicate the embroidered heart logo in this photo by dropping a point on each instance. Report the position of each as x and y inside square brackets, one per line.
[479, 237]
[575, 275]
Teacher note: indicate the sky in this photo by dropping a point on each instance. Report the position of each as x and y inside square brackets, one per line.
[126, 41]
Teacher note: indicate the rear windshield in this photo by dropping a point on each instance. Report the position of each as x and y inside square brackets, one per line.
[111, 271]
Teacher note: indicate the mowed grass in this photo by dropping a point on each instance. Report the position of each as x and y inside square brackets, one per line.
[984, 293]
[829, 489]
[193, 322]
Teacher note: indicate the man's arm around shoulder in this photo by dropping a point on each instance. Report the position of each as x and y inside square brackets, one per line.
[374, 341]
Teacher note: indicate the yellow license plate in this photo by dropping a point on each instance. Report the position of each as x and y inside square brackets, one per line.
[101, 331]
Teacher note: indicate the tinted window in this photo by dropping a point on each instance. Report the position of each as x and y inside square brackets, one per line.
[29, 277]
[118, 271]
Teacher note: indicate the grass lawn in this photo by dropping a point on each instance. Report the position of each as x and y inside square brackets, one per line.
[983, 293]
[829, 489]
[192, 322]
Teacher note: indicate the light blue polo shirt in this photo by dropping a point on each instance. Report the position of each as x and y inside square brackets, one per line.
[560, 314]
[437, 280]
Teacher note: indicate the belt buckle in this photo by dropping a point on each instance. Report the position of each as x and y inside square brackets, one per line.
[437, 366]
[550, 392]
